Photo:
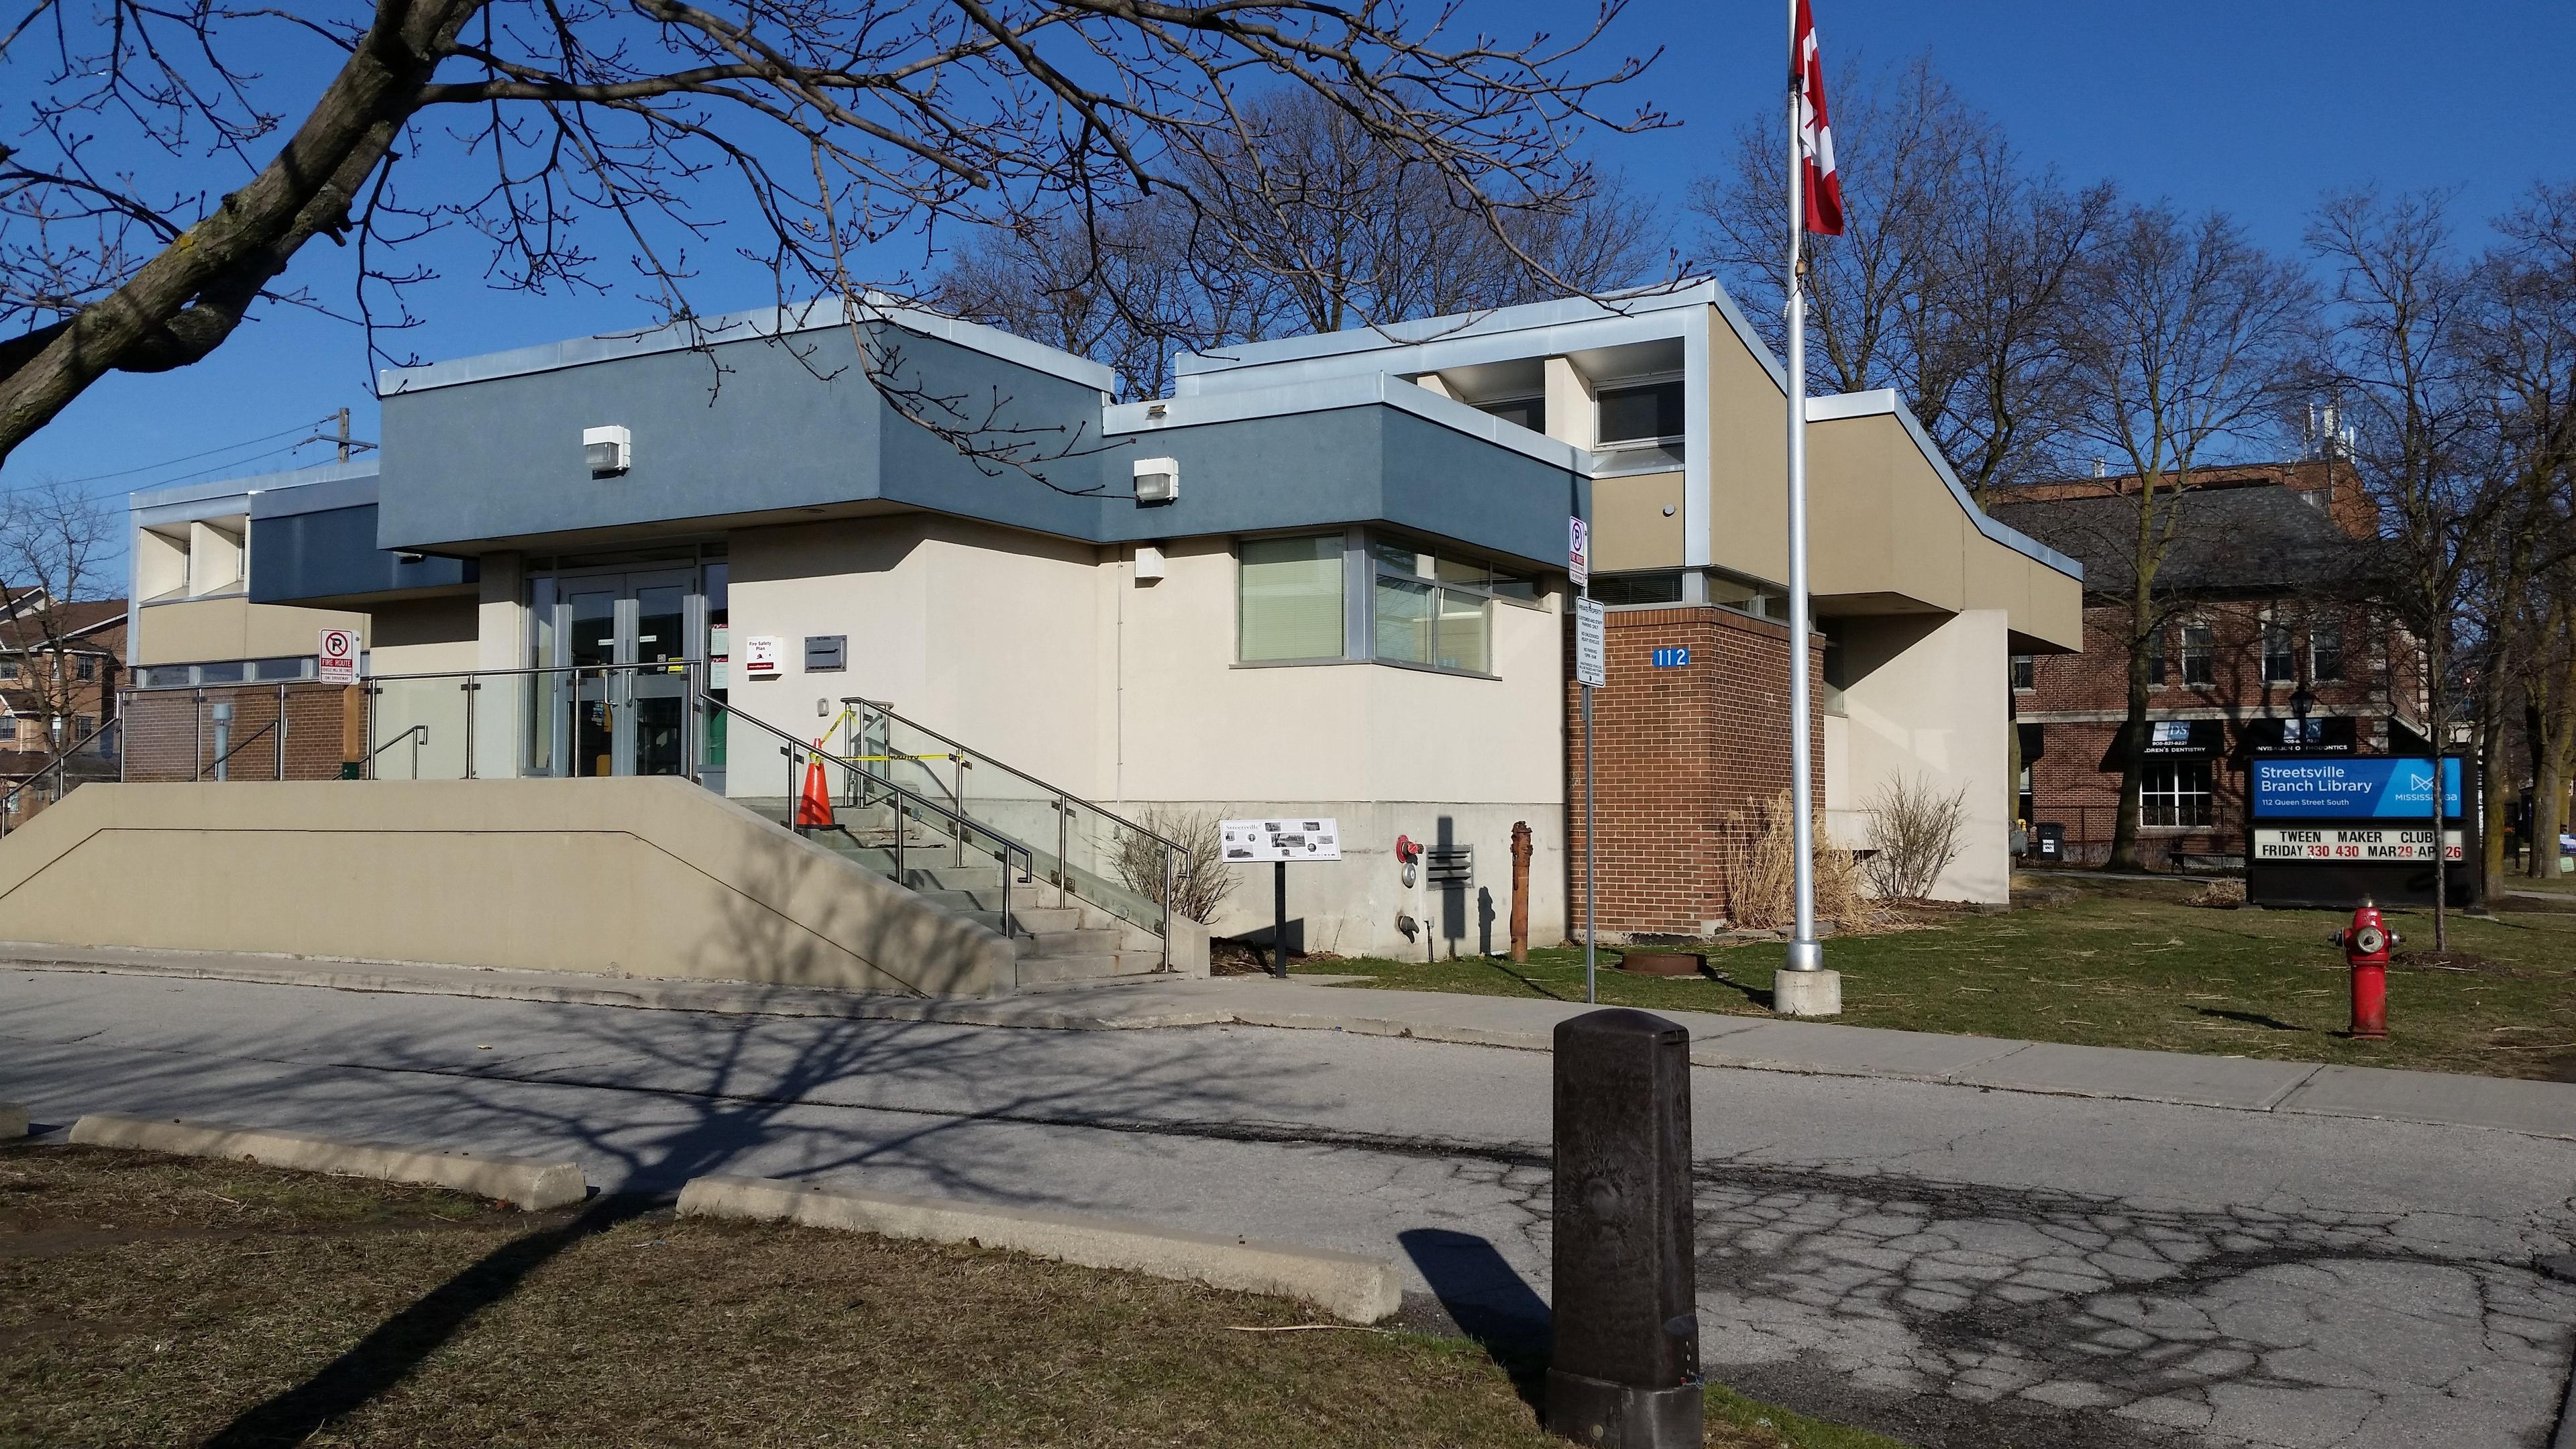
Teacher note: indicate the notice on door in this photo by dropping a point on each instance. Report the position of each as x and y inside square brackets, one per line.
[2337, 845]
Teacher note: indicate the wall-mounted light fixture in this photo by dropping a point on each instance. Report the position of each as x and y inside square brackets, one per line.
[608, 451]
[1158, 480]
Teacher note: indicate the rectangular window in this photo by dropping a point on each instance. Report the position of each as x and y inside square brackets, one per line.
[2199, 660]
[1528, 412]
[1745, 596]
[81, 726]
[1640, 414]
[1290, 599]
[2280, 661]
[2156, 658]
[8, 727]
[2025, 672]
[8, 668]
[2325, 653]
[85, 669]
[2175, 793]
[1656, 588]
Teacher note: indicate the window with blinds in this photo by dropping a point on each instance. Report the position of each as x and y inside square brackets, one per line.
[1290, 600]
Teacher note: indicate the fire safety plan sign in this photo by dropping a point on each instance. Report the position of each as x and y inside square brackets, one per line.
[1252, 842]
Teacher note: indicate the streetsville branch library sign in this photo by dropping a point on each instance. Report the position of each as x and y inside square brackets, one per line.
[2327, 830]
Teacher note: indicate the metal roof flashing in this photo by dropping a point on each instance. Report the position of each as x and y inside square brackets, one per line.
[1352, 390]
[180, 495]
[756, 324]
[1884, 401]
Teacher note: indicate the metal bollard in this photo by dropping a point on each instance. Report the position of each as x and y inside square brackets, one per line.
[1625, 1373]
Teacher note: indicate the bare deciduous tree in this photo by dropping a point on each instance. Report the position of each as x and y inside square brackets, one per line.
[56, 547]
[1950, 281]
[1339, 235]
[2179, 336]
[179, 160]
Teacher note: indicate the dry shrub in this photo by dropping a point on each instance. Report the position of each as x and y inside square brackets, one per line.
[1200, 883]
[1763, 884]
[2223, 895]
[1915, 832]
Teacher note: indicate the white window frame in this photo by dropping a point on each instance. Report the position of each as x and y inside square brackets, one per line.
[2168, 797]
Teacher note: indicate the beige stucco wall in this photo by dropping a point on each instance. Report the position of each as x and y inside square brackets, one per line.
[1924, 701]
[1748, 460]
[1630, 529]
[634, 877]
[984, 633]
[423, 636]
[199, 630]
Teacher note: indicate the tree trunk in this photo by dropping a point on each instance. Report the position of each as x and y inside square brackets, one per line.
[2132, 742]
[2546, 820]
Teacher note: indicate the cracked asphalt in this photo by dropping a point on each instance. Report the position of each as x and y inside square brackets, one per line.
[1957, 1267]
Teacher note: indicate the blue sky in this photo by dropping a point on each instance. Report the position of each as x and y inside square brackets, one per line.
[2250, 108]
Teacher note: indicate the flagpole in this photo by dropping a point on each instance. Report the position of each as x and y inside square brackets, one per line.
[1807, 994]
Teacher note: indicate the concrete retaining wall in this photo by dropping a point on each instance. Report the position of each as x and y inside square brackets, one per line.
[626, 877]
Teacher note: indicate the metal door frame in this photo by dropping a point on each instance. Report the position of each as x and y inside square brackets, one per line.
[616, 687]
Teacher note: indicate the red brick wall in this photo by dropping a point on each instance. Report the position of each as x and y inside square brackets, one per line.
[1675, 751]
[166, 738]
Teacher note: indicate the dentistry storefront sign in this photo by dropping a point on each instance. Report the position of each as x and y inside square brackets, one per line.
[2359, 788]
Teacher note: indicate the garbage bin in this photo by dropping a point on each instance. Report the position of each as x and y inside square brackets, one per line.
[2049, 842]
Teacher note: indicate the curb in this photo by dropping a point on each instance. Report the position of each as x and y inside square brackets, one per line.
[528, 1182]
[1351, 1288]
[13, 1122]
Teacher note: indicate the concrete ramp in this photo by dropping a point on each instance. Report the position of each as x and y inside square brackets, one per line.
[648, 877]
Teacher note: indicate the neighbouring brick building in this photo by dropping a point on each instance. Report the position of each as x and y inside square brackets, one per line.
[2261, 617]
[61, 664]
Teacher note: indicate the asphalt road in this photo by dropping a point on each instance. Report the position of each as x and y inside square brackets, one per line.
[1957, 1267]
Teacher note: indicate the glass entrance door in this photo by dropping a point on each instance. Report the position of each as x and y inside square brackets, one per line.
[629, 720]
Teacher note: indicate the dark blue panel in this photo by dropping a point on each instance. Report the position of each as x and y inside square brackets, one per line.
[332, 554]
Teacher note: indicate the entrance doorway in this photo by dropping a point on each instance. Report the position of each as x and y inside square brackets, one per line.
[617, 649]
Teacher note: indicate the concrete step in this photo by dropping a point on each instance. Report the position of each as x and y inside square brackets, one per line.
[1067, 943]
[1054, 970]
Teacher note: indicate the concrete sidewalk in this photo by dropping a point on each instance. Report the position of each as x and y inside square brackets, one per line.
[1756, 1043]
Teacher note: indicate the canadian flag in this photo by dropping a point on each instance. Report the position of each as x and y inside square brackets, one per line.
[1822, 189]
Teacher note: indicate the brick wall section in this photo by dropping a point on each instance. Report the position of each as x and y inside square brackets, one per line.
[166, 740]
[1675, 752]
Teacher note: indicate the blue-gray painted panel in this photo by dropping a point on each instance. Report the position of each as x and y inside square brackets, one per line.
[332, 553]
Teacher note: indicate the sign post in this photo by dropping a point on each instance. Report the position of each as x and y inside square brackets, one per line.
[1591, 671]
[1249, 842]
[336, 662]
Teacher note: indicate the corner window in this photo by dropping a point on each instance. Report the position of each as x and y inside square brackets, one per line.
[2280, 661]
[1434, 609]
[2025, 672]
[1634, 415]
[1289, 603]
[1748, 596]
[2199, 659]
[2175, 793]
[1620, 590]
[2325, 652]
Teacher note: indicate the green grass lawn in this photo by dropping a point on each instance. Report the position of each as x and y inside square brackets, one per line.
[2132, 965]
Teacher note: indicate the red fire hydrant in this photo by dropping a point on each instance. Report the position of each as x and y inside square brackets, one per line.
[2365, 946]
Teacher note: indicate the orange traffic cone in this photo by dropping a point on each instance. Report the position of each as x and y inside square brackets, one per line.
[814, 807]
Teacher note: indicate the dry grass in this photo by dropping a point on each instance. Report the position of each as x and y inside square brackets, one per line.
[147, 1300]
[1761, 885]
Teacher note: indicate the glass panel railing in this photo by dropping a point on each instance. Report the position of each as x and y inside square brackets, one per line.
[416, 727]
[1080, 849]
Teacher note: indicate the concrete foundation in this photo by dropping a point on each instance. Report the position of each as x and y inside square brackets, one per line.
[13, 1122]
[1807, 993]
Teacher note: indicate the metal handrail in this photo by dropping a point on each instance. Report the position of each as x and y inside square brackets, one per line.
[966, 755]
[964, 824]
[60, 767]
[665, 666]
[221, 760]
[973, 754]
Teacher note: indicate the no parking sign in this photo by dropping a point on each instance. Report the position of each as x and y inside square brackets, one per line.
[339, 656]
